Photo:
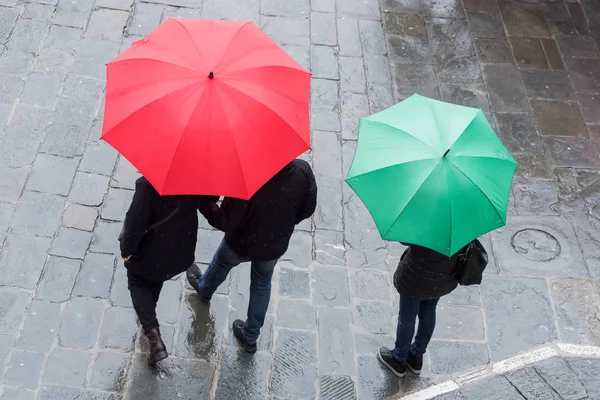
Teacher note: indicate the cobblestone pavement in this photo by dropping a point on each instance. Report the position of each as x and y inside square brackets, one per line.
[67, 329]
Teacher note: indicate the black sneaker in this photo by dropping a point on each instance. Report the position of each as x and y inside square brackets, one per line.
[193, 275]
[414, 363]
[387, 358]
[237, 332]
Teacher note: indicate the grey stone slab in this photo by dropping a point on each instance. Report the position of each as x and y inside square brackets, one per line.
[587, 372]
[103, 237]
[28, 217]
[80, 217]
[168, 307]
[372, 37]
[118, 329]
[109, 371]
[88, 189]
[590, 107]
[576, 311]
[58, 278]
[19, 145]
[294, 283]
[370, 285]
[496, 388]
[462, 323]
[505, 88]
[584, 75]
[74, 112]
[92, 55]
[286, 30]
[296, 314]
[494, 51]
[178, 12]
[145, 18]
[240, 372]
[524, 20]
[327, 156]
[52, 392]
[22, 260]
[330, 286]
[324, 62]
[559, 118]
[529, 383]
[336, 344]
[323, 29]
[324, 94]
[300, 54]
[323, 5]
[64, 140]
[329, 247]
[62, 37]
[572, 152]
[8, 18]
[547, 84]
[6, 346]
[27, 35]
[535, 198]
[17, 394]
[188, 378]
[329, 214]
[518, 315]
[95, 277]
[283, 8]
[336, 388]
[40, 327]
[81, 323]
[469, 96]
[124, 5]
[294, 365]
[354, 106]
[70, 243]
[485, 25]
[349, 37]
[377, 69]
[76, 5]
[409, 49]
[414, 78]
[15, 62]
[24, 369]
[67, 367]
[352, 74]
[116, 204]
[82, 88]
[52, 174]
[374, 382]
[556, 372]
[7, 211]
[397, 23]
[53, 61]
[30, 117]
[358, 9]
[453, 357]
[5, 111]
[230, 9]
[119, 294]
[359, 228]
[14, 306]
[12, 181]
[325, 120]
[108, 24]
[125, 175]
[72, 19]
[518, 133]
[463, 296]
[374, 316]
[300, 250]
[207, 244]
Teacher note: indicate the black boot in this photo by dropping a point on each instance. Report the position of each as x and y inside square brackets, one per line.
[237, 332]
[158, 351]
[414, 363]
[386, 357]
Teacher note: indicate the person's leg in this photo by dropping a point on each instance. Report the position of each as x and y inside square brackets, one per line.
[223, 261]
[143, 296]
[406, 327]
[260, 294]
[426, 327]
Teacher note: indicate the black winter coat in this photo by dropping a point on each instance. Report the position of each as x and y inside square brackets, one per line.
[424, 274]
[260, 228]
[161, 253]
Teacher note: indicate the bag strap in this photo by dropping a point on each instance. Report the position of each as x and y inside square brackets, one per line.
[162, 221]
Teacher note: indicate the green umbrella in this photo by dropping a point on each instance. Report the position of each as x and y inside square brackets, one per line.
[432, 173]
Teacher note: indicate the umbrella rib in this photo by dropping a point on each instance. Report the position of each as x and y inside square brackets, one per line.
[192, 39]
[144, 84]
[435, 122]
[485, 157]
[389, 166]
[400, 130]
[152, 59]
[237, 32]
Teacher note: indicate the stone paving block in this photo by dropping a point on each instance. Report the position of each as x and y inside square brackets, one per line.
[368, 9]
[370, 285]
[518, 315]
[328, 214]
[53, 61]
[92, 55]
[325, 120]
[67, 367]
[109, 371]
[453, 357]
[125, 175]
[585, 75]
[30, 117]
[300, 250]
[52, 392]
[535, 198]
[349, 37]
[462, 323]
[296, 314]
[40, 327]
[377, 69]
[559, 118]
[352, 74]
[168, 307]
[15, 62]
[207, 244]
[145, 18]
[52, 174]
[323, 5]
[33, 205]
[336, 344]
[576, 311]
[119, 294]
[8, 18]
[80, 217]
[14, 305]
[116, 204]
[82, 88]
[587, 372]
[6, 346]
[354, 106]
[373, 316]
[73, 112]
[494, 51]
[58, 278]
[300, 54]
[64, 140]
[287, 30]
[5, 111]
[381, 96]
[360, 230]
[294, 370]
[240, 372]
[95, 277]
[324, 94]
[18, 146]
[396, 23]
[529, 52]
[179, 12]
[450, 39]
[6, 213]
[374, 381]
[518, 133]
[474, 96]
[124, 5]
[24, 369]
[577, 47]
[72, 19]
[230, 9]
[533, 167]
[556, 372]
[336, 388]
[414, 78]
[118, 329]
[324, 62]
[485, 25]
[285, 8]
[294, 283]
[463, 296]
[88, 189]
[330, 286]
[496, 388]
[327, 156]
[506, 92]
[187, 378]
[524, 19]
[81, 323]
[329, 247]
[62, 37]
[552, 54]
[590, 107]
[323, 29]
[529, 383]
[372, 37]
[22, 260]
[70, 243]
[107, 24]
[12, 181]
[76, 5]
[17, 394]
[572, 152]
[570, 181]
[26, 35]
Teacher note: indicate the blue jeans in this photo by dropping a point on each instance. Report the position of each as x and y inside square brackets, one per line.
[224, 260]
[409, 309]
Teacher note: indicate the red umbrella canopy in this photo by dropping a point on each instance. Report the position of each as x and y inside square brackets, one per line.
[207, 107]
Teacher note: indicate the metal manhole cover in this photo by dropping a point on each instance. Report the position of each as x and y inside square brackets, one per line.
[536, 245]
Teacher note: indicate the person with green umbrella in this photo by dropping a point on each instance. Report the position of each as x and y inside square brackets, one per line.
[434, 176]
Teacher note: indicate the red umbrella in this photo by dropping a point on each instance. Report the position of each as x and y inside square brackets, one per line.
[207, 107]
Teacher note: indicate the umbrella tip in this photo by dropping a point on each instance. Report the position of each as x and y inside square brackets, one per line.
[446, 153]
[211, 75]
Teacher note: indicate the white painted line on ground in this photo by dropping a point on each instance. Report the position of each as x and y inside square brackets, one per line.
[432, 391]
[578, 350]
[524, 359]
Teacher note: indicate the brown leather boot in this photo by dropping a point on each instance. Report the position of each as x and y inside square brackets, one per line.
[158, 351]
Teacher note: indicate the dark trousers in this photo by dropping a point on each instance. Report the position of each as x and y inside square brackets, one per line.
[144, 296]
[409, 310]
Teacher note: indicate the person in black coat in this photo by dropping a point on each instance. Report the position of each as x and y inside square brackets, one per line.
[422, 277]
[158, 241]
[256, 231]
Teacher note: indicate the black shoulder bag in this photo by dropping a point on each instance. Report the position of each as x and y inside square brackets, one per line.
[153, 226]
[471, 264]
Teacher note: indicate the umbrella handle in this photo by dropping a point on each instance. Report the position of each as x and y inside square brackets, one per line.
[211, 75]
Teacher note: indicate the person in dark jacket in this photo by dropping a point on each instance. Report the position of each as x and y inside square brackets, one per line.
[422, 277]
[256, 231]
[157, 242]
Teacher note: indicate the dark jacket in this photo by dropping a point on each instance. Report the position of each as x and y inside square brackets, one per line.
[424, 274]
[160, 254]
[260, 228]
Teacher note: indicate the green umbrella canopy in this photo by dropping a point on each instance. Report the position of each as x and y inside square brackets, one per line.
[432, 173]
